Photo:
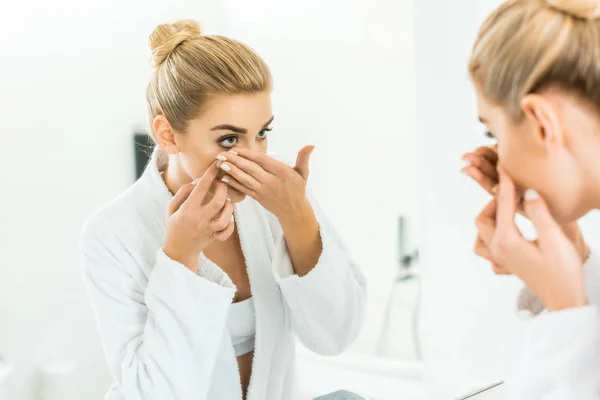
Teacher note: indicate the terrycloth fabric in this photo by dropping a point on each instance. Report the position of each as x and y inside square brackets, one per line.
[164, 328]
[559, 357]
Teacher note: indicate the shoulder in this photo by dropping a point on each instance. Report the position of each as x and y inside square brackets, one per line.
[124, 216]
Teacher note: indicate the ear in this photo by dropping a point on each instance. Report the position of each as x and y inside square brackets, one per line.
[164, 134]
[543, 114]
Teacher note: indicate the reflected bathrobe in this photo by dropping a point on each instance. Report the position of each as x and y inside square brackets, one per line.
[163, 327]
[559, 357]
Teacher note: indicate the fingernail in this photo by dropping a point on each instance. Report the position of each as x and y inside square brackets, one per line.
[232, 218]
[221, 157]
[224, 180]
[233, 152]
[195, 181]
[219, 163]
[228, 198]
[531, 195]
[225, 167]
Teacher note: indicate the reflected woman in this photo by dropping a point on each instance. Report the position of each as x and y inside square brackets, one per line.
[204, 272]
[536, 70]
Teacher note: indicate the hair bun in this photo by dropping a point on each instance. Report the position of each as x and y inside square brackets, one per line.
[584, 9]
[167, 37]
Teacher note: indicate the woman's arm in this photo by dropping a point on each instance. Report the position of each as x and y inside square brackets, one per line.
[160, 341]
[303, 238]
[327, 305]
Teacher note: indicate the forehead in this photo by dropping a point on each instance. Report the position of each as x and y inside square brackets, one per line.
[243, 109]
[483, 105]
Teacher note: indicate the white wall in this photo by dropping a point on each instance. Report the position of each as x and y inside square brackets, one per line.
[72, 91]
[469, 319]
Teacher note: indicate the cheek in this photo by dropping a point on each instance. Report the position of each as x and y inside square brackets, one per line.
[196, 158]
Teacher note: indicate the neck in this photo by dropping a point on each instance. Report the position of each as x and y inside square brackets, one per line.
[175, 176]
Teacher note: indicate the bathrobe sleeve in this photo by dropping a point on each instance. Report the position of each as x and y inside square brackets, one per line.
[560, 354]
[326, 306]
[160, 335]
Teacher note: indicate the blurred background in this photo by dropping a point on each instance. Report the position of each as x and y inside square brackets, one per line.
[379, 86]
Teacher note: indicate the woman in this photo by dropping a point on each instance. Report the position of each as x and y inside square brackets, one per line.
[163, 288]
[536, 70]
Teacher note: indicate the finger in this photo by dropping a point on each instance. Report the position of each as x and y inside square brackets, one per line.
[204, 183]
[482, 250]
[223, 219]
[490, 153]
[507, 205]
[218, 201]
[499, 270]
[231, 181]
[268, 163]
[303, 161]
[247, 180]
[484, 165]
[248, 166]
[226, 233]
[484, 181]
[486, 222]
[180, 197]
[547, 228]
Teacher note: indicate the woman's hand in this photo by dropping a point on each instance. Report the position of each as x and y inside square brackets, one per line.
[278, 187]
[195, 221]
[281, 190]
[550, 266]
[482, 167]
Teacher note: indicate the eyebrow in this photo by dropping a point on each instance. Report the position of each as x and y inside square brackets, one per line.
[237, 129]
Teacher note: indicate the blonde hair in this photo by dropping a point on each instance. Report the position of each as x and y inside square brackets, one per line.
[189, 67]
[525, 46]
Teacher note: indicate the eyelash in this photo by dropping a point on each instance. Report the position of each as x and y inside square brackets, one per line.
[223, 139]
[490, 135]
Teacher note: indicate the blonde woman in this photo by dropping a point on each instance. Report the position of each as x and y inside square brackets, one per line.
[536, 70]
[204, 272]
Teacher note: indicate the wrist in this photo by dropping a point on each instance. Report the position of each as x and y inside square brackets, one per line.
[190, 261]
[302, 214]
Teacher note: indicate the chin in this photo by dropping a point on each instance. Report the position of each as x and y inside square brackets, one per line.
[235, 195]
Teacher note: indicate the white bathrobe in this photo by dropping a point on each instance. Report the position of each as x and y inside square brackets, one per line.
[163, 328]
[559, 357]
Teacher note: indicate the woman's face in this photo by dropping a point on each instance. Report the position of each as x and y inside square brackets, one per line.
[539, 152]
[227, 121]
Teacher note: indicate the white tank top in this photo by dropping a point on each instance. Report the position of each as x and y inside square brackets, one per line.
[242, 326]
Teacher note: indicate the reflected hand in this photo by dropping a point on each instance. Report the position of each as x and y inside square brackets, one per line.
[550, 266]
[482, 169]
[278, 187]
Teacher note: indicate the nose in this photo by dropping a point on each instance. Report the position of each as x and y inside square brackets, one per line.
[251, 144]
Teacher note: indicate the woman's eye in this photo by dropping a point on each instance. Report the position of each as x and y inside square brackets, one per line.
[490, 135]
[263, 134]
[230, 141]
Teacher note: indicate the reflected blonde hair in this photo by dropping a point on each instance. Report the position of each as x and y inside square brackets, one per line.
[189, 67]
[525, 46]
